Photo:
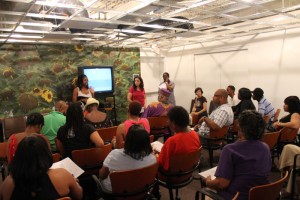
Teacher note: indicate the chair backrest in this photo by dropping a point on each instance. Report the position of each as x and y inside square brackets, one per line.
[59, 147]
[56, 157]
[151, 138]
[219, 133]
[288, 135]
[3, 150]
[276, 114]
[158, 124]
[182, 166]
[107, 134]
[91, 160]
[267, 118]
[13, 125]
[271, 139]
[134, 183]
[268, 191]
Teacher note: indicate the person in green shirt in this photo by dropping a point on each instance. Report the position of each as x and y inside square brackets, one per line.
[53, 121]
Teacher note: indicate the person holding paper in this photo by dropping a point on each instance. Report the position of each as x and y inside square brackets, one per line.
[31, 177]
[137, 153]
[185, 140]
[245, 163]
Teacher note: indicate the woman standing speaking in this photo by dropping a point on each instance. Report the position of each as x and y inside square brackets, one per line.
[137, 92]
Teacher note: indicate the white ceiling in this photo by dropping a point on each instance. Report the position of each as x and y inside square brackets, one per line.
[141, 23]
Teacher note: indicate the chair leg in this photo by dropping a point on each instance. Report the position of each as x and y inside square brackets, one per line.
[197, 195]
[177, 197]
[171, 194]
[211, 157]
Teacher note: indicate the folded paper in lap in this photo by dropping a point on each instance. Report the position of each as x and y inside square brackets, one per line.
[208, 172]
[68, 165]
[156, 146]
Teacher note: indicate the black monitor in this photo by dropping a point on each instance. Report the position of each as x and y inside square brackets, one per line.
[101, 78]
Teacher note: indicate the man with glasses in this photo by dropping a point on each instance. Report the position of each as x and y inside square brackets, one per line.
[220, 117]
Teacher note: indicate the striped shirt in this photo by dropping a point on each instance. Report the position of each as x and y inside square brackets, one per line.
[266, 108]
[222, 116]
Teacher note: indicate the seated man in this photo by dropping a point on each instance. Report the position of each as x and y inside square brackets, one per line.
[264, 106]
[161, 107]
[53, 121]
[220, 117]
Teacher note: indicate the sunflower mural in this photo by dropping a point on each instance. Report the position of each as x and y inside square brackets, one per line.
[33, 77]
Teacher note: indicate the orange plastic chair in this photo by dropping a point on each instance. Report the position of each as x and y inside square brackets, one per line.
[56, 157]
[271, 139]
[107, 134]
[91, 160]
[130, 184]
[158, 126]
[180, 172]
[269, 191]
[214, 141]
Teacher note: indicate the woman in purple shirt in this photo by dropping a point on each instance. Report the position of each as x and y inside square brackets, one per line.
[245, 163]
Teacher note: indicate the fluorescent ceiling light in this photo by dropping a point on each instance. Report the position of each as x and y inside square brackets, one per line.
[130, 31]
[80, 38]
[22, 36]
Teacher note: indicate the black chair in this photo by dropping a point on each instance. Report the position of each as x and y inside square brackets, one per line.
[180, 172]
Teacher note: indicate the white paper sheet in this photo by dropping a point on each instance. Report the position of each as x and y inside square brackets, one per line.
[68, 165]
[156, 146]
[208, 172]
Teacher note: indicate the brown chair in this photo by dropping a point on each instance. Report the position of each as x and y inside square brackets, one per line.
[180, 172]
[59, 147]
[3, 159]
[158, 126]
[56, 157]
[130, 184]
[287, 136]
[215, 140]
[107, 134]
[151, 138]
[13, 125]
[91, 160]
[271, 139]
[269, 191]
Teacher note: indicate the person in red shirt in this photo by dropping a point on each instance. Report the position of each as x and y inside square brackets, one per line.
[185, 140]
[137, 92]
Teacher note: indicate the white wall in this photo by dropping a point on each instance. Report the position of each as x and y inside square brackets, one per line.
[269, 61]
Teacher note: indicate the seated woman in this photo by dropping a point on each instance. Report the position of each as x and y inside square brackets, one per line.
[34, 124]
[137, 153]
[286, 159]
[185, 140]
[134, 110]
[31, 177]
[245, 163]
[292, 120]
[200, 106]
[75, 134]
[95, 117]
[245, 104]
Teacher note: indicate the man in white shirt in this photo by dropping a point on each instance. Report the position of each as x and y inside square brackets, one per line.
[232, 98]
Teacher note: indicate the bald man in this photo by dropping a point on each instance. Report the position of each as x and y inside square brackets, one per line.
[220, 117]
[53, 121]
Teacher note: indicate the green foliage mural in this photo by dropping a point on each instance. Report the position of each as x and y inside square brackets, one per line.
[33, 77]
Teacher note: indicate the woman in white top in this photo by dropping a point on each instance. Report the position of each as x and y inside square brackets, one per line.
[82, 92]
[137, 153]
